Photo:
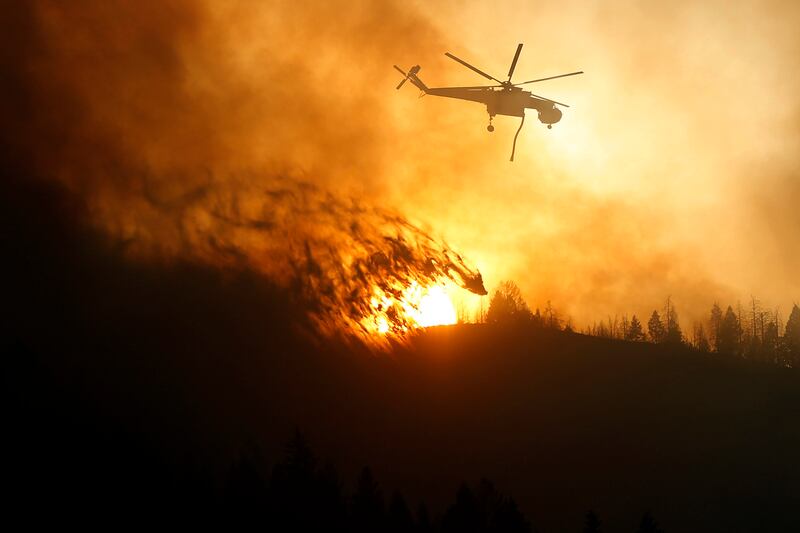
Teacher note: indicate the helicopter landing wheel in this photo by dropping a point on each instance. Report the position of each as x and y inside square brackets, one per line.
[490, 128]
[549, 126]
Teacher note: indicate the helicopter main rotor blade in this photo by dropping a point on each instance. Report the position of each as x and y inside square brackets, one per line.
[482, 73]
[514, 62]
[473, 87]
[548, 100]
[551, 77]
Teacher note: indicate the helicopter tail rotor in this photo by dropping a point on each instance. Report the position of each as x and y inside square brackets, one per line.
[411, 75]
[405, 76]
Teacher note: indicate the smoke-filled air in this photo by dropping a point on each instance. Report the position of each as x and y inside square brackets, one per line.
[268, 135]
[401, 265]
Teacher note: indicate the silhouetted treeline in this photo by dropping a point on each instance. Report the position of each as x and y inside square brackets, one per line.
[752, 332]
[507, 306]
[126, 387]
[749, 332]
[299, 494]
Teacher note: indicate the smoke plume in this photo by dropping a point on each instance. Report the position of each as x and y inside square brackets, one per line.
[178, 139]
[350, 263]
[173, 123]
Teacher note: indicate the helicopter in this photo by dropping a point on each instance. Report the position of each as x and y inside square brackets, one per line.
[504, 99]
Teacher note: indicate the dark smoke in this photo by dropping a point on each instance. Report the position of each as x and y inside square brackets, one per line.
[177, 145]
[338, 254]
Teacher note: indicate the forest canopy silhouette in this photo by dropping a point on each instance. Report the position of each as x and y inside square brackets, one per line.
[198, 198]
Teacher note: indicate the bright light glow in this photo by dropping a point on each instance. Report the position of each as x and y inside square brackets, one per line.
[417, 307]
[435, 308]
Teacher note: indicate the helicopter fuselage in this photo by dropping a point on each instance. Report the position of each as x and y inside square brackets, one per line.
[510, 102]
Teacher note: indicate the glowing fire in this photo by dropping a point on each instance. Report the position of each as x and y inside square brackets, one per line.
[415, 307]
[435, 308]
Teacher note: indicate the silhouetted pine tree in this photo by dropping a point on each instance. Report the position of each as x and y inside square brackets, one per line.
[508, 519]
[672, 328]
[300, 496]
[634, 332]
[655, 328]
[700, 340]
[791, 337]
[507, 305]
[537, 318]
[715, 323]
[484, 510]
[770, 342]
[729, 333]
[500, 513]
[552, 320]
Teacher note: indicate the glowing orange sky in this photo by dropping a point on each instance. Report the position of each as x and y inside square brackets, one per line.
[673, 173]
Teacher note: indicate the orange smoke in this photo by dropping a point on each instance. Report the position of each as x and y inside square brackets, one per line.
[176, 136]
[359, 270]
[172, 122]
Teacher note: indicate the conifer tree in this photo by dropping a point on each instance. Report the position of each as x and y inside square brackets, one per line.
[791, 336]
[715, 322]
[672, 328]
[507, 305]
[729, 333]
[635, 332]
[655, 328]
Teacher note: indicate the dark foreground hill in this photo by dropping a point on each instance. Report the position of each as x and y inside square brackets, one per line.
[566, 422]
[132, 388]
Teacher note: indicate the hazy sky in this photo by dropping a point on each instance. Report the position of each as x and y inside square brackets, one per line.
[675, 171]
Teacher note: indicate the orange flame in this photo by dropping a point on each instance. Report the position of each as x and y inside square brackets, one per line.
[358, 270]
[416, 307]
